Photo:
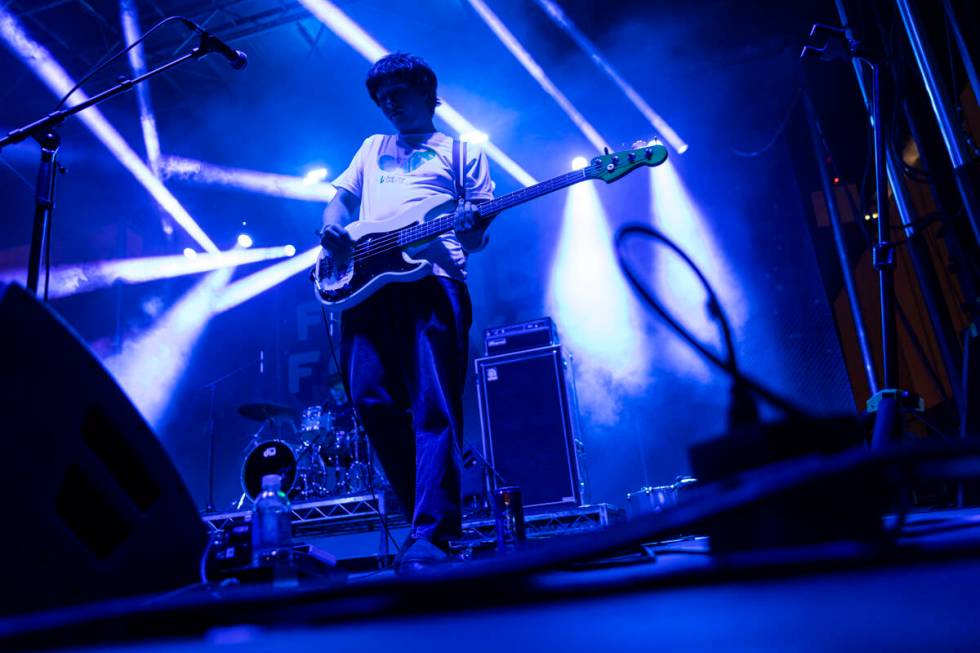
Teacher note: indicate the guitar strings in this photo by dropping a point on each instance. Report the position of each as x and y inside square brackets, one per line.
[390, 241]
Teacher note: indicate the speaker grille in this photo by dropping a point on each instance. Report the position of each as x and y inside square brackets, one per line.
[527, 426]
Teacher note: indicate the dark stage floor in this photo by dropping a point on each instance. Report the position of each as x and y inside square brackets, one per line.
[919, 593]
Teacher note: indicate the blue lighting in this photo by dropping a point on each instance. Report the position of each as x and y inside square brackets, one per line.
[150, 366]
[314, 176]
[475, 138]
[676, 213]
[595, 310]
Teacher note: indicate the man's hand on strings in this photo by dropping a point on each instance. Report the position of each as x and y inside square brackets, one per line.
[336, 241]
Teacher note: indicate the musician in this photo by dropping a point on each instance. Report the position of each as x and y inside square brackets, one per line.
[405, 348]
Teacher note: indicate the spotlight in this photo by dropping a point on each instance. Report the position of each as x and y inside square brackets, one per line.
[558, 16]
[579, 162]
[474, 137]
[268, 277]
[244, 240]
[150, 365]
[77, 278]
[208, 174]
[589, 296]
[534, 69]
[314, 176]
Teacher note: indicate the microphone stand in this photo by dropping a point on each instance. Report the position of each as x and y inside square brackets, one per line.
[887, 400]
[43, 131]
[491, 477]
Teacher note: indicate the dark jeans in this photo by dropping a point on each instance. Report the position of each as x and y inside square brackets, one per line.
[405, 352]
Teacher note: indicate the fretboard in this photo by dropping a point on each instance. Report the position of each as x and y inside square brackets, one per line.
[419, 232]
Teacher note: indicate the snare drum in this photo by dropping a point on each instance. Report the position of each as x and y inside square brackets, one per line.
[299, 477]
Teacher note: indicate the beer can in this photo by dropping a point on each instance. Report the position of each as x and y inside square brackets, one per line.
[509, 516]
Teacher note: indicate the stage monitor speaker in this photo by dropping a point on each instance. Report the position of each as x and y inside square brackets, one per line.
[91, 507]
[526, 417]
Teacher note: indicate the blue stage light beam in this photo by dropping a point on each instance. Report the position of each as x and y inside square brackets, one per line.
[476, 138]
[678, 216]
[595, 310]
[257, 283]
[131, 31]
[531, 66]
[315, 176]
[355, 36]
[665, 131]
[40, 61]
[150, 366]
[76, 278]
[266, 183]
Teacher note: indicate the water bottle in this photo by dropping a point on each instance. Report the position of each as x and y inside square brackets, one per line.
[271, 523]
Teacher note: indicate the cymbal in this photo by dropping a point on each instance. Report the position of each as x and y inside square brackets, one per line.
[263, 411]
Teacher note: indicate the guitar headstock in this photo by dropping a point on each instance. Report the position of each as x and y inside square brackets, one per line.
[611, 166]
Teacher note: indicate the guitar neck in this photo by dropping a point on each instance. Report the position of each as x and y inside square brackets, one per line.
[417, 233]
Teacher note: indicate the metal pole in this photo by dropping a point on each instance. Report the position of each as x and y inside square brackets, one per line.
[836, 223]
[908, 217]
[936, 305]
[959, 153]
[971, 70]
[43, 207]
[884, 251]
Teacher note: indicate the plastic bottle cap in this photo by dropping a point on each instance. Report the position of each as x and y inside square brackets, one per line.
[271, 482]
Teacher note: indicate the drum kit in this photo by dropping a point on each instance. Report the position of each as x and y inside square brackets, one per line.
[326, 455]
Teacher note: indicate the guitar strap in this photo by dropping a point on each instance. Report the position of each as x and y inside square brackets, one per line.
[459, 168]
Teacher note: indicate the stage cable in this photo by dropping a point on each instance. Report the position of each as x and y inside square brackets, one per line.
[98, 67]
[741, 383]
[779, 130]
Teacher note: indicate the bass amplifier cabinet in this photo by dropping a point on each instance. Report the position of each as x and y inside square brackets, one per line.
[526, 414]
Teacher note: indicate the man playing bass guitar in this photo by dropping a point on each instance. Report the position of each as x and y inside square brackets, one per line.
[404, 349]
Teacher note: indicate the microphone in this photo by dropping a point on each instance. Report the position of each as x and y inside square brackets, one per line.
[211, 43]
[261, 361]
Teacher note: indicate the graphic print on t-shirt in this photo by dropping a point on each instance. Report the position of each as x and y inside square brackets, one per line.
[409, 164]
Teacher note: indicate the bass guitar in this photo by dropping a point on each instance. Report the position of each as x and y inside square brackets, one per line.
[381, 253]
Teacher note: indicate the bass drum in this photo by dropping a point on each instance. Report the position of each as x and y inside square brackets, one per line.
[300, 478]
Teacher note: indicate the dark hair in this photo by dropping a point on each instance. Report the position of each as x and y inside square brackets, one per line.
[405, 68]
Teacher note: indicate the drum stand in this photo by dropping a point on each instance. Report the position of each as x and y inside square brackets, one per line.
[212, 387]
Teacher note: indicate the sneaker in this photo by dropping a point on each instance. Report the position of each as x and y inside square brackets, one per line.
[419, 555]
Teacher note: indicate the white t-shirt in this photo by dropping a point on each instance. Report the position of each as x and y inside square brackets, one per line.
[390, 173]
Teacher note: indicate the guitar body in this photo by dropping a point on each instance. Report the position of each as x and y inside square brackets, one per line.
[378, 260]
